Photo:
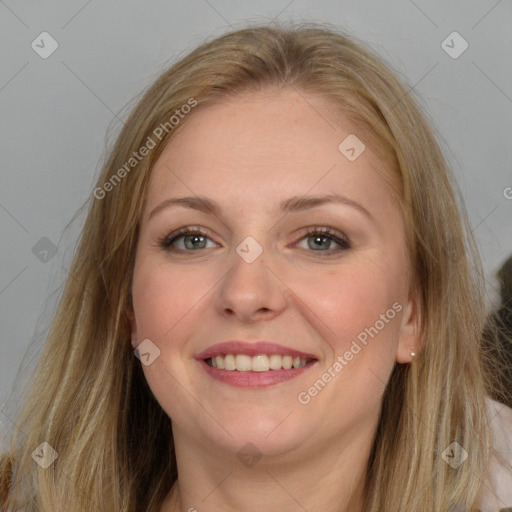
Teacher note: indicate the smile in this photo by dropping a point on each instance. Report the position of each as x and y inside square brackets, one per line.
[254, 364]
[258, 363]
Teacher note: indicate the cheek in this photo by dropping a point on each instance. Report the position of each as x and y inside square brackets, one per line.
[362, 310]
[352, 299]
[163, 297]
[166, 303]
[357, 310]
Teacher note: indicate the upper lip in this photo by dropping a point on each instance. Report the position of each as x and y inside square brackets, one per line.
[254, 348]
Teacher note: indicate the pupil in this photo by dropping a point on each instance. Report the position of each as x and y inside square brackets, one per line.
[321, 242]
[195, 241]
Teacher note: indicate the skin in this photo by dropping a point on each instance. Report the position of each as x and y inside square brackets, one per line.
[248, 154]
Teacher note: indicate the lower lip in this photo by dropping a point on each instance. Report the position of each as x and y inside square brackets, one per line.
[254, 379]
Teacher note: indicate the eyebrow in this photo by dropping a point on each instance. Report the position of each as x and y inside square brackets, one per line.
[293, 204]
[300, 203]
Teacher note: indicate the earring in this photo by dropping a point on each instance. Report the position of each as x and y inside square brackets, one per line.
[412, 352]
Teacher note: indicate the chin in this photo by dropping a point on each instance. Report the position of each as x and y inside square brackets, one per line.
[267, 434]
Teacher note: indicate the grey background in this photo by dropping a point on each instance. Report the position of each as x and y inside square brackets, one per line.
[57, 111]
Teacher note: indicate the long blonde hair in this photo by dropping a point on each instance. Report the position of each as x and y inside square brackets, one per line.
[89, 399]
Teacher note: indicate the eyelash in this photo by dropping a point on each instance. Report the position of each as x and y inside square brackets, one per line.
[167, 241]
[321, 231]
[326, 232]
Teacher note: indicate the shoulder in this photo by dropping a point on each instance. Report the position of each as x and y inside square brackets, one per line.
[497, 490]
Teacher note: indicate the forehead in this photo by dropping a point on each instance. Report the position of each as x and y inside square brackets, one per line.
[268, 145]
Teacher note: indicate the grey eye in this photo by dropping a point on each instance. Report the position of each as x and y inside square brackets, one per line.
[195, 241]
[319, 242]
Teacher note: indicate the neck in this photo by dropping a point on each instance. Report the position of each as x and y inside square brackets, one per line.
[328, 480]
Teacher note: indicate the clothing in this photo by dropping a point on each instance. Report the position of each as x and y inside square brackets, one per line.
[497, 490]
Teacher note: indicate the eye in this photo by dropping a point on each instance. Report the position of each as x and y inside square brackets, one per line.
[322, 239]
[187, 240]
[318, 239]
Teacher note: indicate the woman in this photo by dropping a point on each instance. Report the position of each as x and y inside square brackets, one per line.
[276, 240]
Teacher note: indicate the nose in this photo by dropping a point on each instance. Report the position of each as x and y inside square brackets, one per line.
[251, 292]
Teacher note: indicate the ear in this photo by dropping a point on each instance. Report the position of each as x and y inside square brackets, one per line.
[133, 328]
[410, 339]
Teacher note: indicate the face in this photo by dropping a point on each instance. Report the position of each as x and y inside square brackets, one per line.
[259, 232]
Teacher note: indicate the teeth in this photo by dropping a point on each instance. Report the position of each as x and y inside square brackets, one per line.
[259, 363]
[243, 363]
[229, 362]
[219, 362]
[275, 362]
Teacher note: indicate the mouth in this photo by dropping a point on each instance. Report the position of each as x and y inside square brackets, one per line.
[254, 364]
[258, 363]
